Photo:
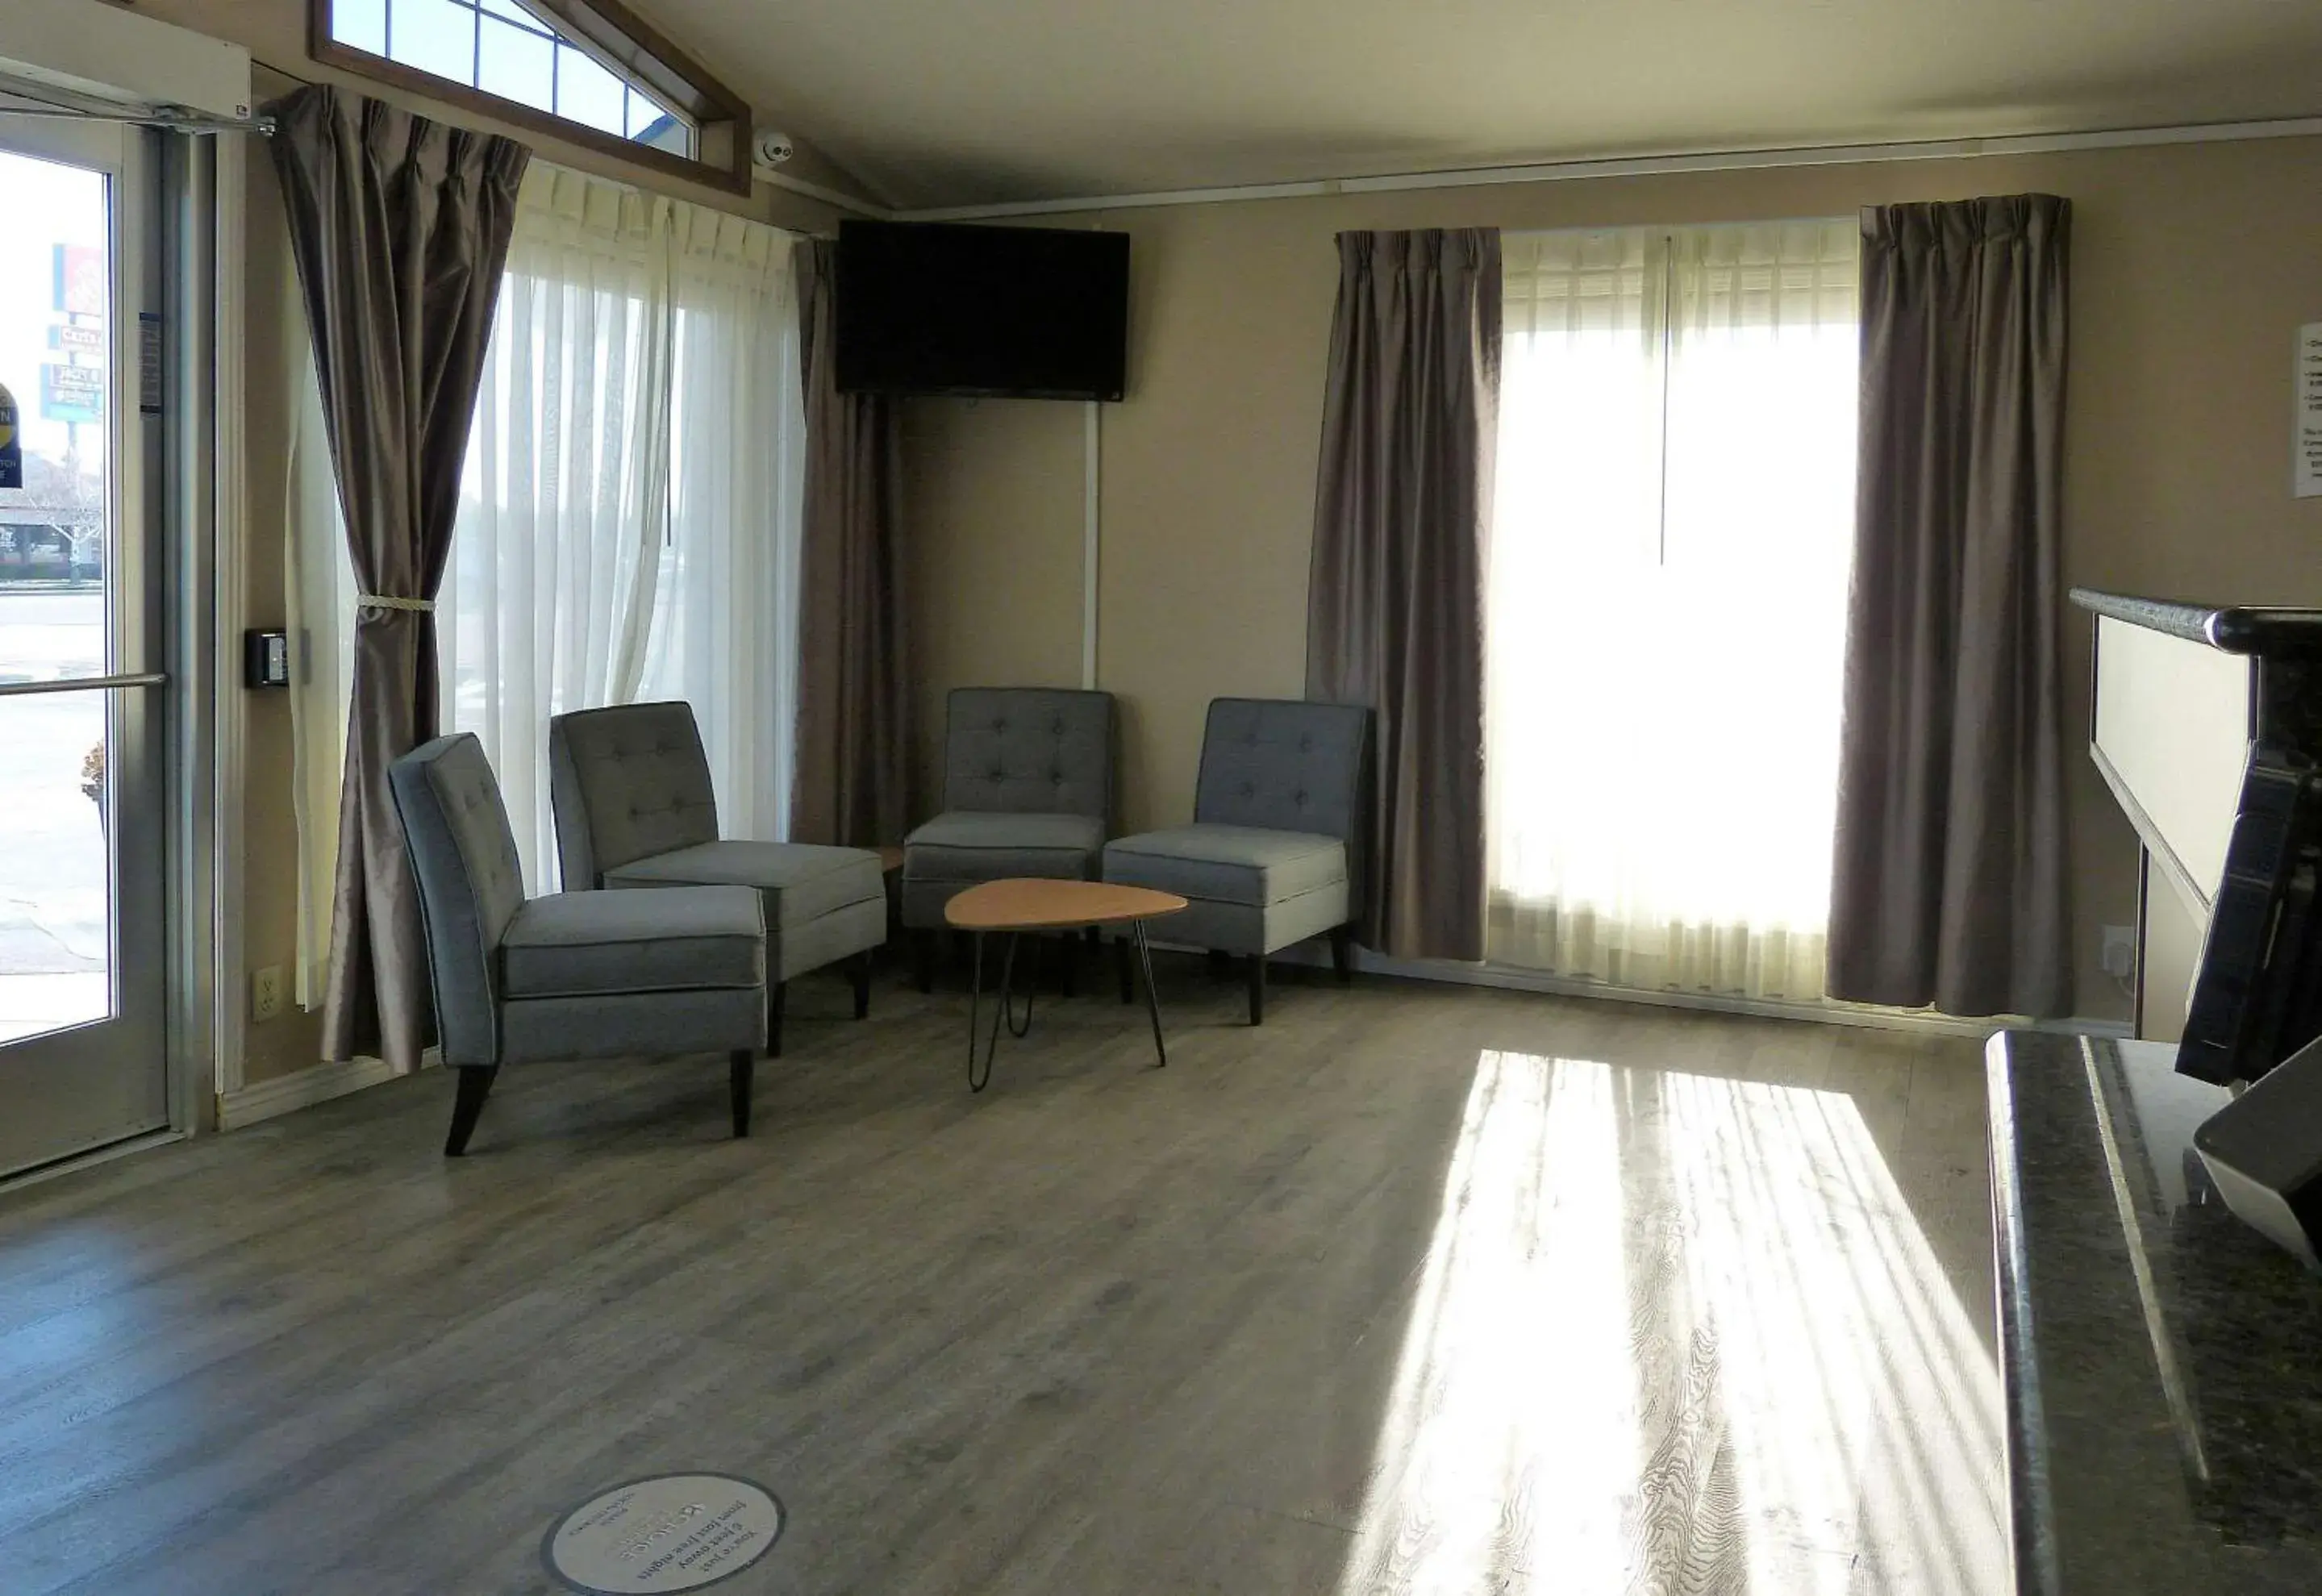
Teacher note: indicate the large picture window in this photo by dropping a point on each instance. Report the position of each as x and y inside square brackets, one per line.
[1672, 535]
[630, 510]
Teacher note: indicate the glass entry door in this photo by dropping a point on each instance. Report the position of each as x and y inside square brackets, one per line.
[82, 948]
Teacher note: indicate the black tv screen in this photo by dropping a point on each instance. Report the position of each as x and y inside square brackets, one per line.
[1015, 312]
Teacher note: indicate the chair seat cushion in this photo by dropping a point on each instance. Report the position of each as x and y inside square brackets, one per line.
[802, 881]
[1245, 864]
[574, 944]
[987, 845]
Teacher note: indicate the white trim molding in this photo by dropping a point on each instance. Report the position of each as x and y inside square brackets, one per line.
[229, 985]
[1513, 978]
[104, 56]
[837, 199]
[301, 1089]
[1092, 511]
[1641, 166]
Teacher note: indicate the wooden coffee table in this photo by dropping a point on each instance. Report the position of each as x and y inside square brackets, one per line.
[1022, 904]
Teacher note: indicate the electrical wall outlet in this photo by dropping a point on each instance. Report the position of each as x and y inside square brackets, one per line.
[2120, 953]
[266, 993]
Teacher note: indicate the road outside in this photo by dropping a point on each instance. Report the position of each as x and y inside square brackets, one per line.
[55, 939]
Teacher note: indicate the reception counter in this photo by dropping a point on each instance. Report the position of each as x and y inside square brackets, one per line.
[2162, 1361]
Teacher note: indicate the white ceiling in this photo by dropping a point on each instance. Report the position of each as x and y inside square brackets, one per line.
[960, 102]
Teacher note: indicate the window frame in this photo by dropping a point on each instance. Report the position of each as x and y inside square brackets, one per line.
[622, 43]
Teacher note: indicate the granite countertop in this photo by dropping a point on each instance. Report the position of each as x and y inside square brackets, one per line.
[2162, 1361]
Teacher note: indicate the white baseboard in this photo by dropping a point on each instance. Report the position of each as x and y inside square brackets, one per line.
[302, 1088]
[1513, 978]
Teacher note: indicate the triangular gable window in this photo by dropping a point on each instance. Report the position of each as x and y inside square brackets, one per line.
[581, 69]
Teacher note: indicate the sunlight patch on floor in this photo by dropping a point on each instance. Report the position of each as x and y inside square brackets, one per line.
[1679, 1332]
[1863, 1409]
[1513, 1412]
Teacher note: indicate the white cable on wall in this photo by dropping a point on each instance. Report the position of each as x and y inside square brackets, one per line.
[1092, 428]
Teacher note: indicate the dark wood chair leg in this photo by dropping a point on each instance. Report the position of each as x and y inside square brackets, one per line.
[1127, 969]
[860, 973]
[924, 951]
[475, 1086]
[1342, 954]
[1069, 983]
[741, 1067]
[1257, 989]
[774, 992]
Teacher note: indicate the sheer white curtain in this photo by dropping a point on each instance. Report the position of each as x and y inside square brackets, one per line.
[1666, 604]
[629, 525]
[318, 590]
[564, 503]
[724, 634]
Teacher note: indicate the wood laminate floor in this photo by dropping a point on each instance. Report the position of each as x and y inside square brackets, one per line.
[1416, 1289]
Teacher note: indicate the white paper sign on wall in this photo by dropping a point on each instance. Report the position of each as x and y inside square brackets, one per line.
[673, 1532]
[2307, 481]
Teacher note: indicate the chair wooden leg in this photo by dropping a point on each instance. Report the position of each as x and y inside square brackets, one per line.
[741, 1066]
[774, 991]
[1127, 958]
[923, 953]
[1257, 989]
[1342, 954]
[475, 1086]
[860, 973]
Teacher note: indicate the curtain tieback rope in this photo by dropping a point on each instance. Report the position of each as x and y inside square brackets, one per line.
[389, 601]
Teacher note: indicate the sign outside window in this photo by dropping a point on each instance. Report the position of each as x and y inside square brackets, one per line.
[70, 391]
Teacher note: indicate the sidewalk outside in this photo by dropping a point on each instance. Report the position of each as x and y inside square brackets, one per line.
[54, 936]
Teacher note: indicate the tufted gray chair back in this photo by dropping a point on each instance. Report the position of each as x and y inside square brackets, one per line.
[471, 885]
[1285, 766]
[628, 782]
[1029, 751]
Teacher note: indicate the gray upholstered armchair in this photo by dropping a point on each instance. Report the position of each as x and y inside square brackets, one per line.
[1028, 791]
[573, 975]
[635, 808]
[1271, 857]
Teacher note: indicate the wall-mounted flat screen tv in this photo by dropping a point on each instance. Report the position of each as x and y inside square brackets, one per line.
[1029, 313]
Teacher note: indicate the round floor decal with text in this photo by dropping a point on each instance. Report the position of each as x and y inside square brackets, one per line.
[670, 1532]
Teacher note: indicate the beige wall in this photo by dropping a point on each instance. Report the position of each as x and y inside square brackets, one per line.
[993, 608]
[2174, 931]
[269, 856]
[2192, 265]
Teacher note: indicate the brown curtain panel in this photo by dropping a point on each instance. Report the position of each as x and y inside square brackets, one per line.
[400, 229]
[1948, 887]
[851, 782]
[1394, 609]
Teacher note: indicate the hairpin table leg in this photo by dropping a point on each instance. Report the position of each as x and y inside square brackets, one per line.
[977, 1080]
[1152, 997]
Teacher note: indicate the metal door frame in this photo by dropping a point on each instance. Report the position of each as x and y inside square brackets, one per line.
[167, 200]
